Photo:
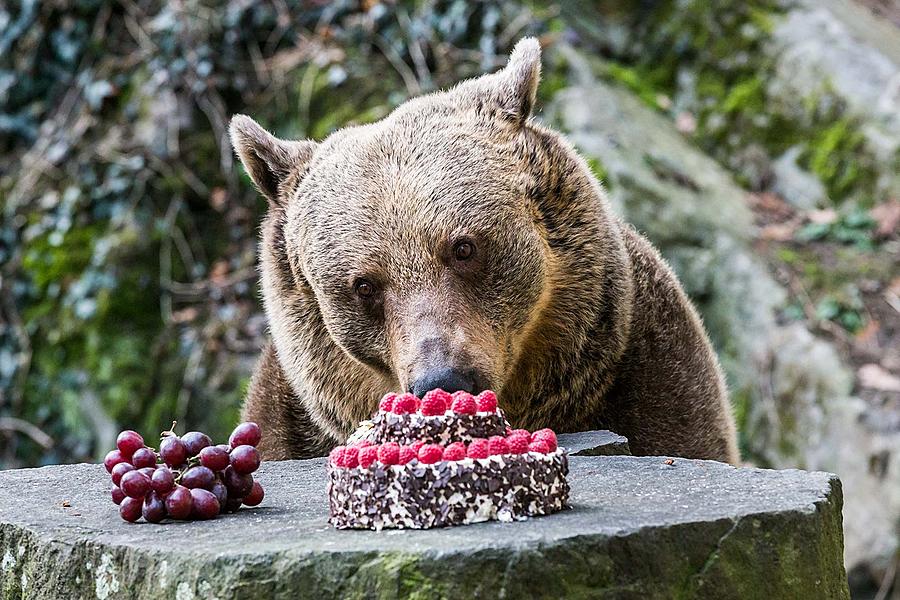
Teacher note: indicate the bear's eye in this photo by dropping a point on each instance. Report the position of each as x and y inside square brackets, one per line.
[364, 288]
[463, 250]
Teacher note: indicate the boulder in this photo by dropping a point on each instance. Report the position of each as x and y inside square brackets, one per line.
[646, 527]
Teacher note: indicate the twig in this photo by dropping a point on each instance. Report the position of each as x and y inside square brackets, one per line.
[12, 424]
[409, 78]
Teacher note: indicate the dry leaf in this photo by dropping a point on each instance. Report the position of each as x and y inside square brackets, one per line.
[826, 216]
[887, 216]
[875, 377]
[686, 123]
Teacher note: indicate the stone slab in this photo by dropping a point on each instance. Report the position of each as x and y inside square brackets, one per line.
[600, 442]
[639, 528]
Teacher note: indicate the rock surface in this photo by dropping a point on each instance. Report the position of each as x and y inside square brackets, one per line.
[594, 443]
[639, 528]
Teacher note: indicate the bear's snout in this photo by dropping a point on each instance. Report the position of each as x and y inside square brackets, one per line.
[447, 379]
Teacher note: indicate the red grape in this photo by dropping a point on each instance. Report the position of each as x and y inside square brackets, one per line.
[179, 503]
[130, 509]
[255, 496]
[172, 450]
[143, 457]
[245, 459]
[224, 447]
[245, 433]
[113, 457]
[135, 484]
[117, 495]
[194, 442]
[219, 490]
[154, 509]
[119, 470]
[128, 442]
[206, 505]
[198, 477]
[232, 504]
[148, 471]
[238, 485]
[162, 481]
[214, 458]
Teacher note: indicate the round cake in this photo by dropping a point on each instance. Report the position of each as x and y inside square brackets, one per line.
[443, 460]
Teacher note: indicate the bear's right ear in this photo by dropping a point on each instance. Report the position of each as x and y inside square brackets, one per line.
[267, 159]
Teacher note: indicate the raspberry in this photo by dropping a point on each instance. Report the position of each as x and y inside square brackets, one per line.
[430, 454]
[463, 403]
[486, 401]
[539, 446]
[416, 445]
[362, 443]
[389, 454]
[405, 403]
[407, 453]
[524, 432]
[547, 436]
[435, 402]
[518, 443]
[336, 456]
[351, 457]
[478, 448]
[455, 451]
[387, 403]
[498, 445]
[367, 456]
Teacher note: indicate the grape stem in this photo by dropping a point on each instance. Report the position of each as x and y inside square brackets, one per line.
[169, 432]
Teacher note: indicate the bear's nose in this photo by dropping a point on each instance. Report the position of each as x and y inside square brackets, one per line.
[449, 380]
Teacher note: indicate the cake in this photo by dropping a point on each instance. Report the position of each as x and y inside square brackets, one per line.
[444, 460]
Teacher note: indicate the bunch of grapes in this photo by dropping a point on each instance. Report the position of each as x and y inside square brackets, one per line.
[189, 478]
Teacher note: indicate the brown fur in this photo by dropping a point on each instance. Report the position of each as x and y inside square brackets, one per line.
[567, 312]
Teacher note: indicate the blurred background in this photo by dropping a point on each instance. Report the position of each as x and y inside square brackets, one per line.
[756, 143]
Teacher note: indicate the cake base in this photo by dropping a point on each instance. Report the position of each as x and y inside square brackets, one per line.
[418, 496]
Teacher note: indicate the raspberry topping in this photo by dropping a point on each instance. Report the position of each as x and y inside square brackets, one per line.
[547, 436]
[336, 456]
[387, 403]
[539, 446]
[463, 403]
[455, 451]
[367, 456]
[389, 453]
[498, 445]
[407, 453]
[351, 457]
[362, 443]
[524, 432]
[430, 454]
[486, 401]
[405, 403]
[518, 443]
[435, 402]
[478, 448]
[416, 445]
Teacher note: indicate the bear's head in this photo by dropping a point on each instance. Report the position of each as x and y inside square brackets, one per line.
[425, 246]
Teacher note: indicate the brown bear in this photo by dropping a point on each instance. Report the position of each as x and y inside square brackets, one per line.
[457, 244]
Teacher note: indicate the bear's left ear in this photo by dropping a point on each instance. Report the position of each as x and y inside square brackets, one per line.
[514, 88]
[268, 160]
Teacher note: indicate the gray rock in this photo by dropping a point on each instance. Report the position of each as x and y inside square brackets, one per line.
[639, 528]
[791, 391]
[840, 45]
[594, 443]
[796, 185]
